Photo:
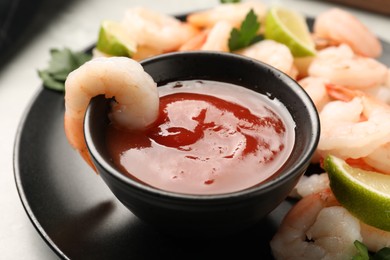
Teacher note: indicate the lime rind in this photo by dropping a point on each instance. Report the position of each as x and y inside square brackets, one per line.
[377, 182]
[290, 28]
[114, 40]
[361, 199]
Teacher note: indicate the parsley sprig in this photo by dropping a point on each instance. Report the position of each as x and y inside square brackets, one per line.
[246, 34]
[62, 62]
[363, 254]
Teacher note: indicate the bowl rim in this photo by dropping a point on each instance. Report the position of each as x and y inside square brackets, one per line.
[265, 186]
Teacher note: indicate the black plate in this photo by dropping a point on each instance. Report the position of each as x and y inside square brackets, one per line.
[79, 218]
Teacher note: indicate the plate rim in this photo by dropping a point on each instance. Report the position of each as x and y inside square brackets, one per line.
[17, 173]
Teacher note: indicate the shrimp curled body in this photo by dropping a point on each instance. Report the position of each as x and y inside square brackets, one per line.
[342, 27]
[273, 53]
[342, 67]
[134, 91]
[355, 128]
[305, 233]
[157, 31]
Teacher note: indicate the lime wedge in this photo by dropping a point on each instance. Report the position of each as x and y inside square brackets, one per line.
[290, 28]
[365, 194]
[115, 40]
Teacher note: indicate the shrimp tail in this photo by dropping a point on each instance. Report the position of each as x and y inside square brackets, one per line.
[76, 139]
[342, 93]
[339, 26]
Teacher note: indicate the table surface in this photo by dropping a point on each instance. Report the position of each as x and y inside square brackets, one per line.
[74, 24]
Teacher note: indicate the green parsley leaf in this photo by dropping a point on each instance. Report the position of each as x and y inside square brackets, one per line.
[362, 251]
[62, 62]
[230, 1]
[50, 82]
[364, 254]
[247, 34]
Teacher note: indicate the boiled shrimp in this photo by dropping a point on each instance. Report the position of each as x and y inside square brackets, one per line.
[312, 184]
[218, 37]
[315, 87]
[273, 53]
[158, 32]
[305, 234]
[387, 81]
[374, 238]
[196, 42]
[233, 13]
[379, 159]
[381, 92]
[355, 128]
[134, 91]
[342, 27]
[212, 39]
[342, 67]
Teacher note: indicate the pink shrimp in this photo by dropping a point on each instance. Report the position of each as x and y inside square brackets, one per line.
[233, 13]
[136, 96]
[342, 27]
[305, 233]
[316, 89]
[156, 31]
[343, 67]
[273, 53]
[355, 126]
[374, 238]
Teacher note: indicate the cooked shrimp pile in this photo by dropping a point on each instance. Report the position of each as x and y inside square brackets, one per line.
[349, 87]
[351, 91]
[317, 227]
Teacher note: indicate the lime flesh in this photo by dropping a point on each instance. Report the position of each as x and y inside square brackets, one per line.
[290, 28]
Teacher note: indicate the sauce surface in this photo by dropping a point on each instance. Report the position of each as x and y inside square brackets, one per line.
[210, 138]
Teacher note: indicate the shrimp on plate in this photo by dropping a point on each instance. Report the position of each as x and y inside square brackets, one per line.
[340, 27]
[355, 128]
[233, 13]
[374, 238]
[155, 31]
[215, 38]
[315, 87]
[381, 92]
[136, 97]
[380, 158]
[310, 184]
[273, 53]
[305, 234]
[196, 42]
[218, 37]
[341, 66]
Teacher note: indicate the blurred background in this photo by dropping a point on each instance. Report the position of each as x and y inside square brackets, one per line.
[17, 17]
[21, 20]
[376, 6]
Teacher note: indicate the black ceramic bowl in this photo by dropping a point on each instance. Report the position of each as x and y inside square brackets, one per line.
[210, 215]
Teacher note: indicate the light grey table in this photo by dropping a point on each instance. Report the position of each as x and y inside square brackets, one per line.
[75, 25]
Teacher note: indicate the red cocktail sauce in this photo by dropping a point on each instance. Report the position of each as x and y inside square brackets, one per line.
[210, 138]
